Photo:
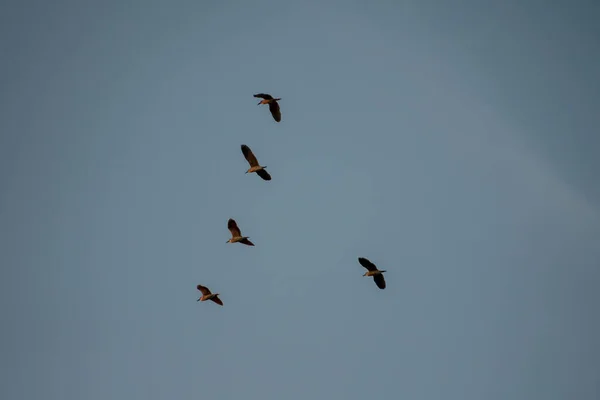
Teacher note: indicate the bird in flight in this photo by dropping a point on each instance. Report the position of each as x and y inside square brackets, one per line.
[373, 271]
[273, 105]
[236, 234]
[254, 165]
[207, 295]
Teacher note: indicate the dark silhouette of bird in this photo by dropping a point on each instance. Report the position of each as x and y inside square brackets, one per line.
[373, 271]
[207, 295]
[236, 234]
[273, 105]
[254, 165]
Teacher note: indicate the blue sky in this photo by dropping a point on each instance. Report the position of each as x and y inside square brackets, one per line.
[454, 145]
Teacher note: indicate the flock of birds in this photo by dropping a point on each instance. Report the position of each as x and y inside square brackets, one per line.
[236, 233]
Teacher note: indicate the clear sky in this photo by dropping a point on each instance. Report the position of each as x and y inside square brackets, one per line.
[454, 144]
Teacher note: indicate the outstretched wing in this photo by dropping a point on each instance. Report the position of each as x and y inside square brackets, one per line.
[275, 111]
[246, 242]
[233, 228]
[264, 174]
[203, 289]
[379, 281]
[217, 300]
[367, 264]
[263, 96]
[249, 155]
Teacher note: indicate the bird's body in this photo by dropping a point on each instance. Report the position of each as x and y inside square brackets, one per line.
[254, 165]
[241, 239]
[207, 295]
[373, 271]
[255, 169]
[236, 234]
[273, 105]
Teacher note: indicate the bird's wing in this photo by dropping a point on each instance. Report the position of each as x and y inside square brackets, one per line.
[203, 289]
[264, 174]
[367, 264]
[379, 281]
[275, 111]
[263, 96]
[246, 242]
[217, 300]
[233, 228]
[249, 155]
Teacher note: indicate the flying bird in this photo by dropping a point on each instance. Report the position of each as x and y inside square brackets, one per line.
[254, 165]
[273, 105]
[373, 271]
[236, 234]
[207, 295]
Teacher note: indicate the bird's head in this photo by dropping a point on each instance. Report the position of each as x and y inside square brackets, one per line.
[365, 274]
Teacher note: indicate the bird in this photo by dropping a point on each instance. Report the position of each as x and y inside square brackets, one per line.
[273, 105]
[254, 166]
[207, 295]
[373, 271]
[236, 234]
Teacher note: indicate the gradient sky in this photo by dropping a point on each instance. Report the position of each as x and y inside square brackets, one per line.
[455, 144]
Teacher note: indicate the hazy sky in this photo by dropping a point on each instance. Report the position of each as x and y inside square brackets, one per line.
[454, 144]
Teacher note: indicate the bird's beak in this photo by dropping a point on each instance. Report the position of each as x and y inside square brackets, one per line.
[259, 103]
[199, 299]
